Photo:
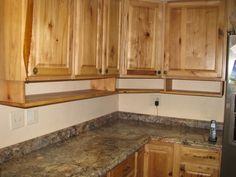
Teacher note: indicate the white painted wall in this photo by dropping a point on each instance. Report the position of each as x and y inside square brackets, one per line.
[59, 116]
[189, 107]
[55, 117]
[52, 87]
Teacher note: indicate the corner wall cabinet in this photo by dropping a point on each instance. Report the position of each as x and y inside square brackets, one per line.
[195, 37]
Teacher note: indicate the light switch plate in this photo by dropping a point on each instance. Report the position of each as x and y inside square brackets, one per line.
[32, 116]
[17, 119]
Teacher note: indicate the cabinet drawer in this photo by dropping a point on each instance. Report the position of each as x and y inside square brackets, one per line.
[203, 156]
[125, 169]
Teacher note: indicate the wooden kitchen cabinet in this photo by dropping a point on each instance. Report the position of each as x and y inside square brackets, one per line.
[51, 38]
[112, 36]
[195, 37]
[88, 37]
[97, 37]
[198, 162]
[142, 40]
[125, 169]
[159, 159]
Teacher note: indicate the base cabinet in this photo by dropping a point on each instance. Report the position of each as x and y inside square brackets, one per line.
[159, 160]
[125, 169]
[197, 170]
[162, 159]
[196, 162]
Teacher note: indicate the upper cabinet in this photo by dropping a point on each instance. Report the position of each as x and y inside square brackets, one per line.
[88, 37]
[97, 37]
[51, 29]
[112, 36]
[195, 38]
[142, 43]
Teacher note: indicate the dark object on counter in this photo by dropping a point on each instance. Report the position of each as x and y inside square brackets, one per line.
[212, 136]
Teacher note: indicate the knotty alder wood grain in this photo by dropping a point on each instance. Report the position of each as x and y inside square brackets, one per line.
[88, 37]
[112, 19]
[108, 84]
[60, 97]
[143, 40]
[196, 162]
[159, 160]
[12, 91]
[195, 39]
[12, 18]
[51, 33]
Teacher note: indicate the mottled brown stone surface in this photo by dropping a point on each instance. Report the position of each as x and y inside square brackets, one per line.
[95, 152]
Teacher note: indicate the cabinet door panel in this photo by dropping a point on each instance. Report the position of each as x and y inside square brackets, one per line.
[160, 160]
[112, 35]
[199, 162]
[144, 38]
[197, 170]
[51, 34]
[195, 39]
[88, 37]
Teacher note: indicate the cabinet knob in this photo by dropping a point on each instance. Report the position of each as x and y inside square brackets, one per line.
[182, 167]
[35, 70]
[100, 70]
[158, 72]
[170, 173]
[165, 72]
[106, 71]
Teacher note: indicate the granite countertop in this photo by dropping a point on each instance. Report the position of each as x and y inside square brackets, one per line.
[94, 153]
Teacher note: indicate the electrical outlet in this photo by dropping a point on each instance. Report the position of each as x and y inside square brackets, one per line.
[17, 119]
[32, 116]
[157, 102]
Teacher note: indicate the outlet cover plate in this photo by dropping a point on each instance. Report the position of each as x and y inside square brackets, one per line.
[17, 119]
[32, 116]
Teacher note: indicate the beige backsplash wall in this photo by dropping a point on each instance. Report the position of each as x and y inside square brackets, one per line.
[190, 107]
[59, 116]
[55, 117]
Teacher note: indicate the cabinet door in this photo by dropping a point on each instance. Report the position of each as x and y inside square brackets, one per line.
[112, 35]
[143, 40]
[51, 38]
[197, 170]
[88, 37]
[160, 160]
[195, 39]
[140, 162]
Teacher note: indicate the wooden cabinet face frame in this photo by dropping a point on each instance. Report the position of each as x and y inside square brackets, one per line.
[195, 39]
